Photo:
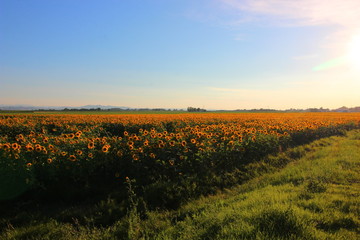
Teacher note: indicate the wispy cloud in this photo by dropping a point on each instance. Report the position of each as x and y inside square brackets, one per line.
[303, 12]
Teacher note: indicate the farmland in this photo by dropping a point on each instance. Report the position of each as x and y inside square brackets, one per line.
[150, 161]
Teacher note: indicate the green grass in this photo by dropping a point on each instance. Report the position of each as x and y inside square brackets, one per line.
[309, 192]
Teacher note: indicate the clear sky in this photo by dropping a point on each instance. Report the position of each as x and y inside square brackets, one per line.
[213, 54]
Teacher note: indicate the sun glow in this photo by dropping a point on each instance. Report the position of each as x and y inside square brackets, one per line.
[354, 52]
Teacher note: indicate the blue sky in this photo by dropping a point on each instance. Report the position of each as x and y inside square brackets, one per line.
[216, 54]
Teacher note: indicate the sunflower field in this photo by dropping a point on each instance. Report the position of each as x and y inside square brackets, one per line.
[168, 158]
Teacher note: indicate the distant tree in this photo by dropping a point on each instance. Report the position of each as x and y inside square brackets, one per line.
[192, 109]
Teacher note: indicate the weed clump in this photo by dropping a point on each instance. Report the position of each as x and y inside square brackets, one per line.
[281, 224]
[315, 186]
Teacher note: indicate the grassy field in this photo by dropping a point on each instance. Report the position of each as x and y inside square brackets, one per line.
[307, 192]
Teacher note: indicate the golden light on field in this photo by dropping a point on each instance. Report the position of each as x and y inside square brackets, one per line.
[353, 54]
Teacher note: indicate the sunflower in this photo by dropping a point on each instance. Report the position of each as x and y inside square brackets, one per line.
[72, 158]
[78, 134]
[29, 148]
[15, 146]
[91, 145]
[105, 148]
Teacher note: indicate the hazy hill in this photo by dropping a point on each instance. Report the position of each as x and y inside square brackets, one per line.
[31, 107]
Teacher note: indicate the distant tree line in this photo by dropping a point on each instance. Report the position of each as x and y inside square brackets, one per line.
[113, 109]
[82, 109]
[192, 109]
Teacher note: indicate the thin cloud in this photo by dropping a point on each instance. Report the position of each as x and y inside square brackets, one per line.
[303, 12]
